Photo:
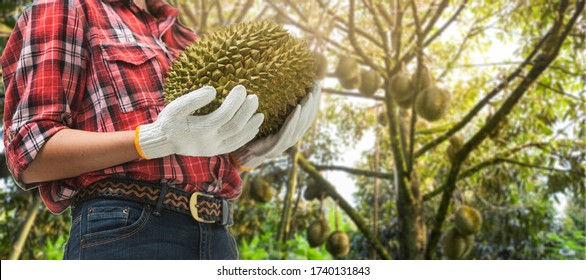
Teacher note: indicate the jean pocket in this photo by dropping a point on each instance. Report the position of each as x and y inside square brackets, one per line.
[103, 218]
[112, 220]
[134, 75]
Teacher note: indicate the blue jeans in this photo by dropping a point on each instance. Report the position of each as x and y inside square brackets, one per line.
[120, 229]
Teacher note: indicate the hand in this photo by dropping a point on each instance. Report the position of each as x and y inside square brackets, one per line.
[256, 152]
[177, 131]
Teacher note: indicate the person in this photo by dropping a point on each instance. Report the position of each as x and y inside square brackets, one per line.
[85, 122]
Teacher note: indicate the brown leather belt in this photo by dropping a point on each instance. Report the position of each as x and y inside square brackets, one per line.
[204, 208]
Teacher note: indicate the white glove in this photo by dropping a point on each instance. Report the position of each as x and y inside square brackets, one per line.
[177, 131]
[256, 152]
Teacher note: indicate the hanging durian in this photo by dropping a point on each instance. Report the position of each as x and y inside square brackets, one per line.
[338, 244]
[405, 104]
[425, 78]
[348, 72]
[457, 246]
[401, 87]
[432, 103]
[321, 65]
[261, 191]
[456, 142]
[468, 220]
[347, 68]
[313, 191]
[383, 118]
[351, 83]
[262, 56]
[317, 232]
[370, 82]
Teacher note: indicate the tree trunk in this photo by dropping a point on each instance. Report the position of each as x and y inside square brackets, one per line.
[285, 225]
[375, 190]
[412, 235]
[31, 215]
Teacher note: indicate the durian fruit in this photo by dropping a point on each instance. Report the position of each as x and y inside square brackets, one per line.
[370, 82]
[262, 56]
[468, 220]
[383, 118]
[313, 191]
[425, 79]
[261, 191]
[321, 64]
[456, 142]
[405, 104]
[348, 72]
[317, 232]
[338, 244]
[351, 83]
[432, 103]
[457, 246]
[347, 68]
[402, 89]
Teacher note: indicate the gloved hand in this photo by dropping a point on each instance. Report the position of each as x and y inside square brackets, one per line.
[256, 152]
[176, 131]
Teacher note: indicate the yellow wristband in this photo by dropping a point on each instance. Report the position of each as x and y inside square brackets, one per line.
[238, 165]
[137, 145]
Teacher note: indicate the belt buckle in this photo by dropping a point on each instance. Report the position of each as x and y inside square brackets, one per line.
[193, 207]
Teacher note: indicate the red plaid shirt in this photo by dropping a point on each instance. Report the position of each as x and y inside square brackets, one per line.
[97, 66]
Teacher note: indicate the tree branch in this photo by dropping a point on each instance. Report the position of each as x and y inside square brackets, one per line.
[558, 91]
[308, 29]
[419, 44]
[351, 94]
[296, 9]
[354, 171]
[220, 12]
[345, 26]
[533, 166]
[244, 10]
[494, 161]
[354, 42]
[442, 6]
[446, 24]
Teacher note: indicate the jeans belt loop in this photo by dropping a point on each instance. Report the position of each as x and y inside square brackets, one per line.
[226, 221]
[159, 205]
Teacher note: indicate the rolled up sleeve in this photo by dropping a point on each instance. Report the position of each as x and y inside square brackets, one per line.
[43, 66]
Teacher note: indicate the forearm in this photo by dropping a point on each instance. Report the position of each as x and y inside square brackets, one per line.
[70, 153]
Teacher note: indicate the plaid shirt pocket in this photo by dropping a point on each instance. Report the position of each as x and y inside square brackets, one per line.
[134, 75]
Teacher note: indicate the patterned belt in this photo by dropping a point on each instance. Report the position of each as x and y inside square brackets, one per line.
[204, 208]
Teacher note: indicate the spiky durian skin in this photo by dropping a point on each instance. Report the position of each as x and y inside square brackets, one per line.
[432, 103]
[262, 56]
[457, 246]
[468, 220]
[338, 244]
[261, 191]
[317, 232]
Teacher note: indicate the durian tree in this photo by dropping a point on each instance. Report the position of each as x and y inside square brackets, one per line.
[453, 121]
